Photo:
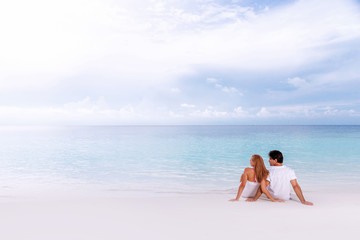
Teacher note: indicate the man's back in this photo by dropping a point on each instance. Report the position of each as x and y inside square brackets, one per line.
[279, 178]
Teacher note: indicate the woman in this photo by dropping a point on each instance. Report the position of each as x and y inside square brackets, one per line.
[252, 177]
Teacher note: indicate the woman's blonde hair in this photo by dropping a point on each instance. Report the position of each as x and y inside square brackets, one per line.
[260, 170]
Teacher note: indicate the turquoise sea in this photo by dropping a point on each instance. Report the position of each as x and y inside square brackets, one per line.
[174, 159]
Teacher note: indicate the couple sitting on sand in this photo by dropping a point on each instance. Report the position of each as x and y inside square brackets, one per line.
[274, 183]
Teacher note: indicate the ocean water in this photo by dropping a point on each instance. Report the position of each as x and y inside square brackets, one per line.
[173, 159]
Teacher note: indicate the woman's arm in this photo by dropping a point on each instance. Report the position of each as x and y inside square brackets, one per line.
[243, 181]
[263, 186]
[256, 197]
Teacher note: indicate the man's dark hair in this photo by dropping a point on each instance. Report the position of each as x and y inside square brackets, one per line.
[275, 154]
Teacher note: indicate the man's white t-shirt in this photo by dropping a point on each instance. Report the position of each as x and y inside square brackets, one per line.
[279, 178]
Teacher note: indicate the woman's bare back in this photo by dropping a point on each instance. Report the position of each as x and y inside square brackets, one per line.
[249, 174]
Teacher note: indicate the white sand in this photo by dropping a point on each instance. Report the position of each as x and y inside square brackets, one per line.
[69, 215]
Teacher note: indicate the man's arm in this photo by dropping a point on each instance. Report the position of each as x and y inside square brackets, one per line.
[298, 192]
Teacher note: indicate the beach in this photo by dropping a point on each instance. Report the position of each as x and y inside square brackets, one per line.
[173, 182]
[84, 214]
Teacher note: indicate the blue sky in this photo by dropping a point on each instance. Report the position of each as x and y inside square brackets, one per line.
[180, 62]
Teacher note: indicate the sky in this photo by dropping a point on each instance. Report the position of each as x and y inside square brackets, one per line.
[107, 62]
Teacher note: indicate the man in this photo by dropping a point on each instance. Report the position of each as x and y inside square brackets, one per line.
[278, 182]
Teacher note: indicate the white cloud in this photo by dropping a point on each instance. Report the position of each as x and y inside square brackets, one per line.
[331, 111]
[84, 111]
[175, 90]
[212, 80]
[152, 45]
[240, 112]
[229, 90]
[86, 103]
[46, 39]
[185, 105]
[321, 113]
[263, 113]
[209, 113]
[297, 82]
[176, 116]
[90, 112]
